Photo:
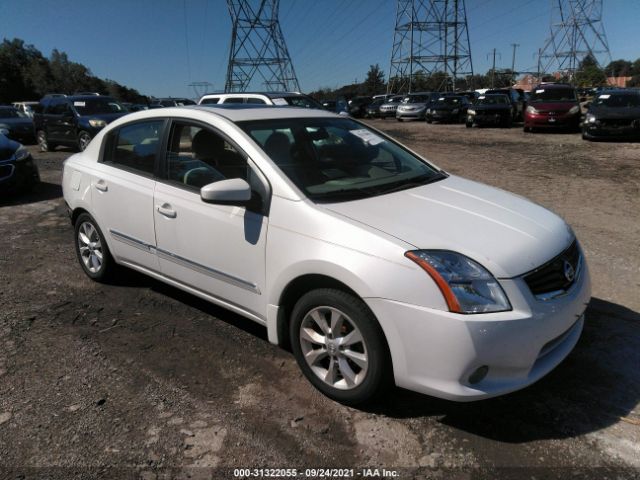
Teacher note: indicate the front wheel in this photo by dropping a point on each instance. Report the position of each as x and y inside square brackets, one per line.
[469, 124]
[339, 346]
[92, 250]
[43, 141]
[83, 140]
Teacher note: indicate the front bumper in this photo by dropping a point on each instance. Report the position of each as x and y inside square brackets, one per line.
[435, 352]
[16, 175]
[614, 131]
[387, 113]
[544, 120]
[415, 114]
[489, 118]
[444, 116]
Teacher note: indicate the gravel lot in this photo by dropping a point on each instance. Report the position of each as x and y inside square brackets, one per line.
[140, 380]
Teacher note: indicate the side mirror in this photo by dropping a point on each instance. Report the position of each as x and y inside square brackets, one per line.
[234, 191]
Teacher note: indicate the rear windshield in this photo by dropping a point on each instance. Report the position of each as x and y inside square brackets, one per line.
[97, 106]
[543, 95]
[617, 101]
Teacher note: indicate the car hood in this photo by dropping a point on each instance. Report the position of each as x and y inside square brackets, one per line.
[616, 113]
[7, 148]
[506, 233]
[554, 106]
[16, 122]
[490, 107]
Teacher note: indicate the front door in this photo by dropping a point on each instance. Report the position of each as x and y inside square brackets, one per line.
[217, 249]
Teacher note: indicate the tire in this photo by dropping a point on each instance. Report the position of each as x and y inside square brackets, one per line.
[43, 141]
[91, 248]
[83, 140]
[429, 120]
[469, 124]
[351, 378]
[398, 119]
[526, 129]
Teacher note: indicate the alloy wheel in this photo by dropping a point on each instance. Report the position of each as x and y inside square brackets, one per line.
[334, 348]
[90, 247]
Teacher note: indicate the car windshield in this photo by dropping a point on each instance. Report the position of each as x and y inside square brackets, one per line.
[338, 159]
[448, 101]
[376, 102]
[492, 100]
[545, 95]
[10, 113]
[97, 106]
[415, 99]
[617, 100]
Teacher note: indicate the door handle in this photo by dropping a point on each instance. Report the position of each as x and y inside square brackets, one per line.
[166, 210]
[101, 185]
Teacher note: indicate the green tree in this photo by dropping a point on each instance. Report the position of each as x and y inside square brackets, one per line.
[619, 68]
[589, 74]
[374, 81]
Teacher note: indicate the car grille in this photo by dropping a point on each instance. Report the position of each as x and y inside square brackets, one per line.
[551, 279]
[616, 122]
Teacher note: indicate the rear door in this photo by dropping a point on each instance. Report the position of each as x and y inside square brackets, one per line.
[122, 191]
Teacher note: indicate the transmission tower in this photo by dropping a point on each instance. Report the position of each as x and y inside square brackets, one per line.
[431, 37]
[258, 48]
[576, 31]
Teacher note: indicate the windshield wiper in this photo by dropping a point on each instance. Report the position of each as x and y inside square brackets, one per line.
[415, 182]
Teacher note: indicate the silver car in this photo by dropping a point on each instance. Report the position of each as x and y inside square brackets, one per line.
[388, 109]
[413, 106]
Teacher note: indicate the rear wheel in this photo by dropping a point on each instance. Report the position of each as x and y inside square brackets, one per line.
[469, 124]
[339, 346]
[92, 250]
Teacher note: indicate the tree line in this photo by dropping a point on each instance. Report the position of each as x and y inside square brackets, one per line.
[588, 74]
[26, 74]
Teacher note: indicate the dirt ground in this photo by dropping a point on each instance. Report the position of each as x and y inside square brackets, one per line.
[140, 380]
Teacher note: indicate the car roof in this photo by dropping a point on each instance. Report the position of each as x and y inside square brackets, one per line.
[260, 112]
[244, 94]
[620, 91]
[550, 86]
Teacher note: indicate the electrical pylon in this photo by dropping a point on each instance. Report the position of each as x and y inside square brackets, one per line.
[576, 31]
[258, 49]
[431, 36]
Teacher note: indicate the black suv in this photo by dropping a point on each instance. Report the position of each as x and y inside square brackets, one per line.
[73, 121]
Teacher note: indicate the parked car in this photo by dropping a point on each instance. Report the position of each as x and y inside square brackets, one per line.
[615, 115]
[358, 106]
[449, 109]
[373, 109]
[26, 107]
[73, 121]
[16, 124]
[552, 106]
[17, 168]
[490, 109]
[328, 105]
[374, 265]
[516, 97]
[293, 99]
[389, 107]
[413, 106]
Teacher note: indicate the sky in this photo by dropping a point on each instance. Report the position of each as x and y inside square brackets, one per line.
[160, 46]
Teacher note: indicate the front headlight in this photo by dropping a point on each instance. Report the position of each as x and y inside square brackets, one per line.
[97, 123]
[466, 285]
[471, 112]
[573, 110]
[590, 118]
[21, 153]
[532, 110]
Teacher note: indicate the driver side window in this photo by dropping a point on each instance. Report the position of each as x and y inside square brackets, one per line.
[198, 156]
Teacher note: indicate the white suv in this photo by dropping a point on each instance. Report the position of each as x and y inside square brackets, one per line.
[372, 264]
[282, 99]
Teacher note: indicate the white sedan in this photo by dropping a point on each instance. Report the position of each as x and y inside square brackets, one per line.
[372, 264]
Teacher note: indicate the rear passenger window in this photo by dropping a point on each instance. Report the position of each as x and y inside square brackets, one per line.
[135, 146]
[209, 101]
[255, 100]
[234, 100]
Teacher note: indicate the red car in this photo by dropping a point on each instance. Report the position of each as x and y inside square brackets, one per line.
[552, 106]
